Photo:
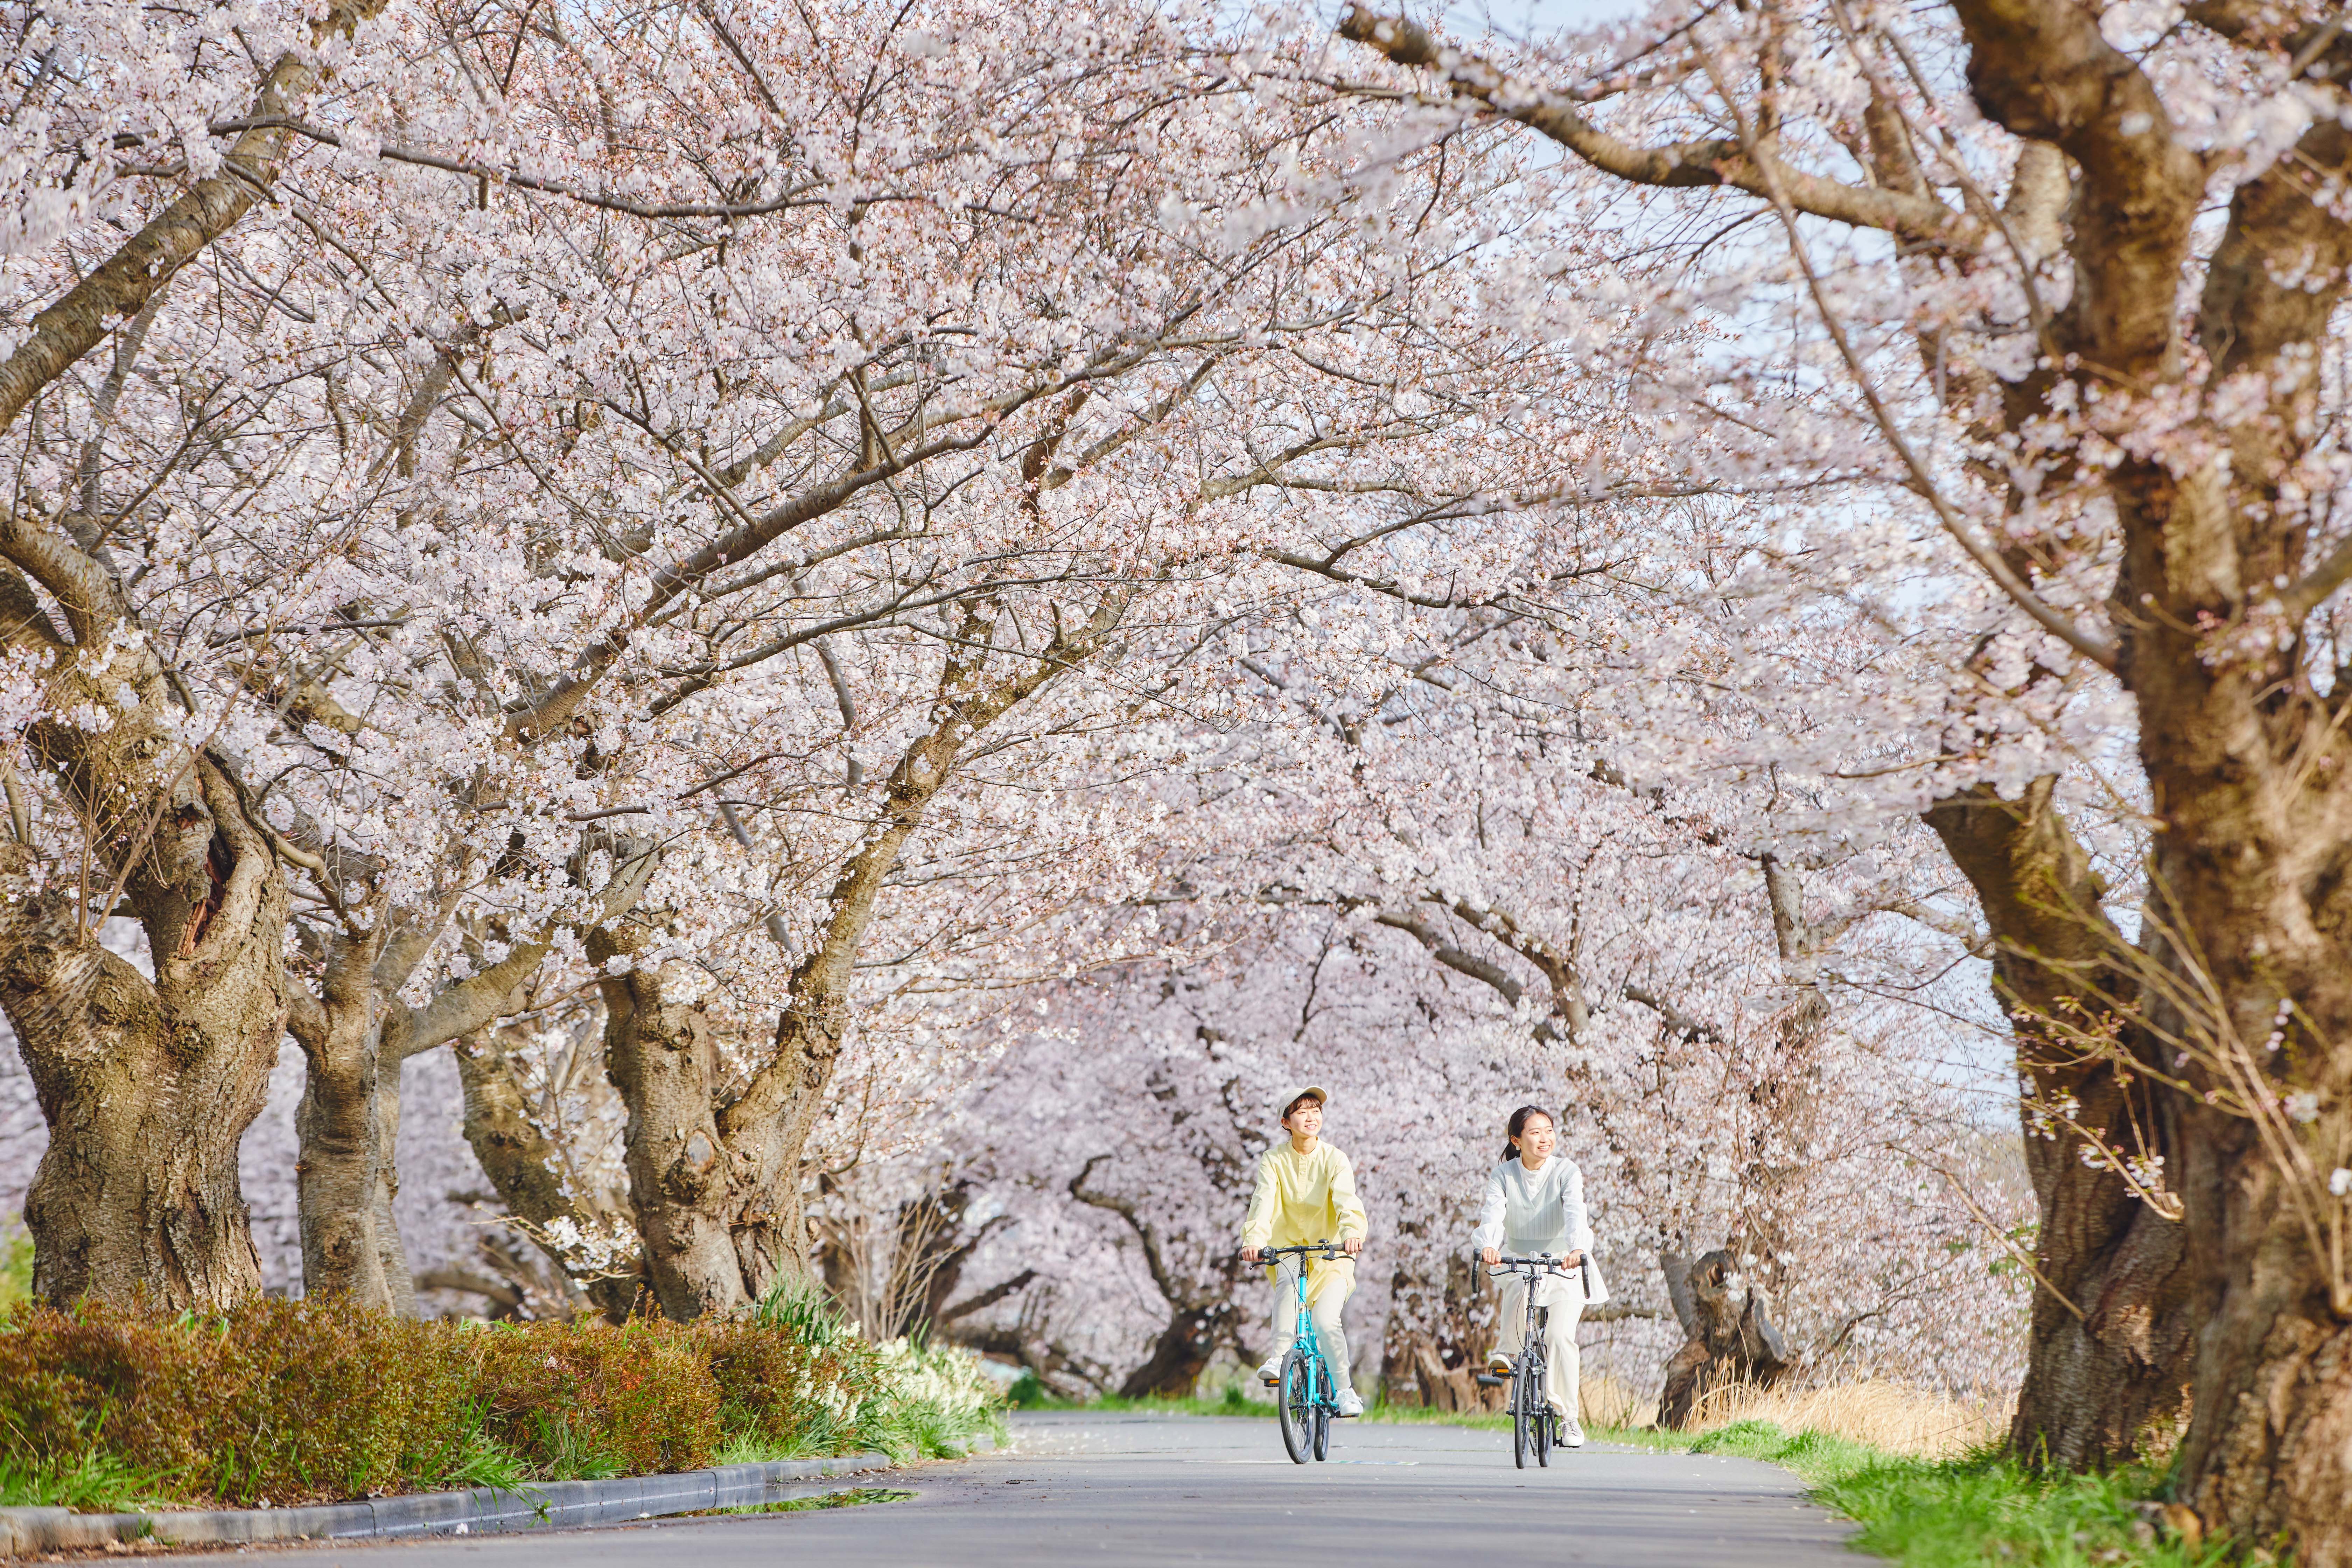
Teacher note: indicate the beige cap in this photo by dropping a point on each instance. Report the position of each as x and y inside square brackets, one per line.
[1322, 1097]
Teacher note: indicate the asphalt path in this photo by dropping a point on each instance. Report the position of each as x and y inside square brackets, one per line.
[1114, 1490]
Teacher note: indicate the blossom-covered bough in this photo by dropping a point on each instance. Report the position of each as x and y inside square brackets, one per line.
[635, 464]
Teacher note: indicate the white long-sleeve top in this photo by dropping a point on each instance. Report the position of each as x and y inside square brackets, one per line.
[1528, 1212]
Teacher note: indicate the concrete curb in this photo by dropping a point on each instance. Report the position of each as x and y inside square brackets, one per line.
[542, 1506]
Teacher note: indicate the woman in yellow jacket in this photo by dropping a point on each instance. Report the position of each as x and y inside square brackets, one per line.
[1306, 1191]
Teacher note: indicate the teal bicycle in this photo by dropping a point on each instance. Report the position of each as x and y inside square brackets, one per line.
[1304, 1400]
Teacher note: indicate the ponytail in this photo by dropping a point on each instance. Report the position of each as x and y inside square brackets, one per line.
[1519, 1124]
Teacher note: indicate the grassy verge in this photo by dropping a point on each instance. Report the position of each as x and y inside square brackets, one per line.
[1981, 1509]
[279, 1403]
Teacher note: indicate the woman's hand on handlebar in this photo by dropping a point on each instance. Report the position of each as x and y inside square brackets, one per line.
[1249, 1254]
[1491, 1256]
[1354, 1245]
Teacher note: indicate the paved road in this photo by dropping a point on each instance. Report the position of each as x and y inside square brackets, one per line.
[1109, 1490]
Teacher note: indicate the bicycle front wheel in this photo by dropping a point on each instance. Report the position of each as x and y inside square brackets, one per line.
[1294, 1409]
[1539, 1415]
[1323, 1403]
[1521, 1420]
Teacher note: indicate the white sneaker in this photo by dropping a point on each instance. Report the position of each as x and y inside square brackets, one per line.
[1498, 1364]
[1351, 1405]
[1271, 1372]
[1571, 1433]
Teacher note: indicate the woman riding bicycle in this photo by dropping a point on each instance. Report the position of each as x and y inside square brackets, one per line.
[1534, 1204]
[1306, 1191]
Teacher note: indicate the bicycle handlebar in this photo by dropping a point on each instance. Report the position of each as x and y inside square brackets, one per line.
[1321, 1249]
[1544, 1260]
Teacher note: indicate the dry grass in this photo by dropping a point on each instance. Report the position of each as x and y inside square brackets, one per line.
[1605, 1401]
[1886, 1415]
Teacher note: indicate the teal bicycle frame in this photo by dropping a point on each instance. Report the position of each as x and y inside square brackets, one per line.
[1305, 1396]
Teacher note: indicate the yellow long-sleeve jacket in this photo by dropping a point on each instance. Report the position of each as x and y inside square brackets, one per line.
[1306, 1197]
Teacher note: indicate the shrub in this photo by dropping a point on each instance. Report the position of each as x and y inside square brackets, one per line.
[588, 1399]
[279, 1401]
[287, 1402]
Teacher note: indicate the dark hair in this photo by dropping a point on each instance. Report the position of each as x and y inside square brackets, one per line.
[1314, 1099]
[1520, 1125]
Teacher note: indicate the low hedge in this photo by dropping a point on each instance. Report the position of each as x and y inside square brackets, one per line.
[283, 1402]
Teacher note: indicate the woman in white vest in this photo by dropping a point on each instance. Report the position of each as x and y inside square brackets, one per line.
[1534, 1204]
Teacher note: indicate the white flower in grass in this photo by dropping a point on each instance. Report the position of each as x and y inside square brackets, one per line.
[2301, 1106]
[2339, 1182]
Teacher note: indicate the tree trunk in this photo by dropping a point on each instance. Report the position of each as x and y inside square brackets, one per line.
[346, 1128]
[147, 1087]
[2107, 1351]
[1178, 1356]
[2108, 1347]
[2269, 1451]
[342, 1174]
[524, 1171]
[664, 1062]
[399, 1282]
[1732, 1339]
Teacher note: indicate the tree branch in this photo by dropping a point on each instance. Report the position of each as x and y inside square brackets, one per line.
[120, 286]
[1688, 163]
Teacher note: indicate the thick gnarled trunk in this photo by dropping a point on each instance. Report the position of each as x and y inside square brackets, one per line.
[2111, 1317]
[345, 1172]
[1731, 1339]
[2269, 1451]
[683, 1178]
[148, 1087]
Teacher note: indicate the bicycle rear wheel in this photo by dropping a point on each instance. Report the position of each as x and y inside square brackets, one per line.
[1323, 1403]
[1294, 1409]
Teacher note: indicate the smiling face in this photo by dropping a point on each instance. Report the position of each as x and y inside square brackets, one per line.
[1538, 1139]
[1305, 1121]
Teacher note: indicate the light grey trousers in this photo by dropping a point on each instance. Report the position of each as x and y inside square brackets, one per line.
[1564, 1294]
[1325, 1315]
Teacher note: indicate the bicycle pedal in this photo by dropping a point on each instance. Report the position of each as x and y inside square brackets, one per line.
[1488, 1380]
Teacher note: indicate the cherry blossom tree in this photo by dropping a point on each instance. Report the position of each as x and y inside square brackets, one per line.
[2015, 332]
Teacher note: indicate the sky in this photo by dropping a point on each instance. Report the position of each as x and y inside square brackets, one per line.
[1521, 18]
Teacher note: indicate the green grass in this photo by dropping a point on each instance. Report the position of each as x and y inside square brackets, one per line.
[89, 1483]
[1980, 1509]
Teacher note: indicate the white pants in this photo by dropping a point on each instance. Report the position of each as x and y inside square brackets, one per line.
[1329, 1337]
[1564, 1295]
